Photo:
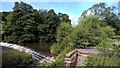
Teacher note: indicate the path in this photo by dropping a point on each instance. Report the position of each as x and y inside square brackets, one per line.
[83, 54]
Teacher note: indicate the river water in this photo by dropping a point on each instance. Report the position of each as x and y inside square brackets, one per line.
[39, 47]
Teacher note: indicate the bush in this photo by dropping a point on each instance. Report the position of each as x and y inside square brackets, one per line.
[59, 62]
[16, 60]
[63, 30]
[63, 39]
[56, 49]
[109, 57]
[91, 31]
[60, 58]
[101, 60]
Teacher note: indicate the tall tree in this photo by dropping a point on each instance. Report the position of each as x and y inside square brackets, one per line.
[64, 18]
[105, 12]
[20, 26]
[50, 22]
[91, 31]
[25, 24]
[22, 7]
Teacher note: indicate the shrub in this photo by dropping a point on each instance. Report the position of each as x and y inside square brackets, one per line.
[101, 60]
[56, 49]
[63, 30]
[63, 39]
[60, 58]
[91, 31]
[16, 60]
[109, 55]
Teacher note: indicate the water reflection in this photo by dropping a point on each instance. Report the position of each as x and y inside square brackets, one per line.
[39, 47]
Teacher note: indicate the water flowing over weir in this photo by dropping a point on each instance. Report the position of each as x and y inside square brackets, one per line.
[41, 57]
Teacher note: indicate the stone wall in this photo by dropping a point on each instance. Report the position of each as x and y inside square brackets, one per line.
[71, 59]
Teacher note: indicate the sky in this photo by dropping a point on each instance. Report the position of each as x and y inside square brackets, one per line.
[73, 9]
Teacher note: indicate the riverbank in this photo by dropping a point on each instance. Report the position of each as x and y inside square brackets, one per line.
[12, 58]
[36, 55]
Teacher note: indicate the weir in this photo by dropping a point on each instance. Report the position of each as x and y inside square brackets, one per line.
[36, 55]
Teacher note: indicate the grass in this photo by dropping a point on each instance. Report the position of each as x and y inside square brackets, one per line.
[15, 59]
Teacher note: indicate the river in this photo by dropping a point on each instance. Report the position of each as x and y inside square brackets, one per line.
[39, 47]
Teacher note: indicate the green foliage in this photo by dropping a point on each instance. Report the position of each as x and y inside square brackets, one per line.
[91, 31]
[20, 27]
[59, 62]
[47, 27]
[16, 60]
[22, 7]
[60, 58]
[56, 49]
[63, 45]
[108, 49]
[106, 13]
[63, 38]
[25, 24]
[64, 30]
[109, 54]
[64, 18]
[101, 60]
[3, 15]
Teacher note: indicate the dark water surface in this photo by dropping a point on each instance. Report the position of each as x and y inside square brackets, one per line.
[39, 47]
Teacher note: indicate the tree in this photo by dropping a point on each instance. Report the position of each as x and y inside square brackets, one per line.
[64, 30]
[90, 31]
[22, 7]
[25, 24]
[47, 28]
[4, 15]
[63, 38]
[20, 26]
[106, 13]
[64, 18]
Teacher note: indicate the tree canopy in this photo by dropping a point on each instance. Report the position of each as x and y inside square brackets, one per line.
[106, 13]
[90, 31]
[25, 24]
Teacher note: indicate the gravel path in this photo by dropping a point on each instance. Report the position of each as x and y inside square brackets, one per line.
[83, 53]
[80, 60]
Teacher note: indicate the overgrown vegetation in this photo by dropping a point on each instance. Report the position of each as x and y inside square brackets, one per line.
[15, 59]
[63, 45]
[109, 56]
[107, 13]
[25, 24]
[92, 30]
[63, 38]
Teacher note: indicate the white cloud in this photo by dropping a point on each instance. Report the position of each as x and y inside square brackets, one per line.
[74, 19]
